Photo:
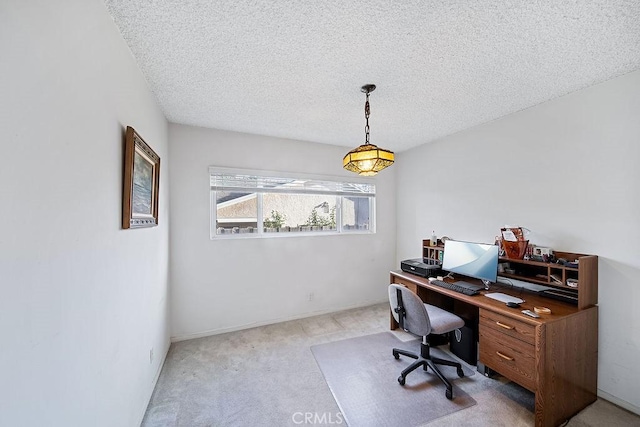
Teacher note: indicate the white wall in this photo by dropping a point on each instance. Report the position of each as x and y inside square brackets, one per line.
[81, 301]
[566, 169]
[222, 285]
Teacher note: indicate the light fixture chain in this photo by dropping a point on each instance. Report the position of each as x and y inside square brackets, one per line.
[367, 111]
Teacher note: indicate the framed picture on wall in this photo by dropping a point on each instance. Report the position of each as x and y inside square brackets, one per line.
[141, 183]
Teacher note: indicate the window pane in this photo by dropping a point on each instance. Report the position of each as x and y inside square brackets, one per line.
[286, 213]
[356, 213]
[236, 213]
[285, 204]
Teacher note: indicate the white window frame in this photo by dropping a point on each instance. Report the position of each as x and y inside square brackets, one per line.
[294, 183]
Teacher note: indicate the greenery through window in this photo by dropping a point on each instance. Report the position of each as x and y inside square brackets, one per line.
[259, 204]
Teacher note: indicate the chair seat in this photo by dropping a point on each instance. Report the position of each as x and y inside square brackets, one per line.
[442, 321]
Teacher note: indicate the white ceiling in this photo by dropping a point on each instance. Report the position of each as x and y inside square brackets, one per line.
[294, 68]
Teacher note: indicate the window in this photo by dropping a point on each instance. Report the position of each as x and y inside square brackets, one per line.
[270, 204]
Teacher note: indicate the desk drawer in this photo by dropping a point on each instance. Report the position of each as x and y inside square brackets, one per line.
[412, 286]
[511, 357]
[508, 326]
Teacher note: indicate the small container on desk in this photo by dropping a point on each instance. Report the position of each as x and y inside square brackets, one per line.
[515, 250]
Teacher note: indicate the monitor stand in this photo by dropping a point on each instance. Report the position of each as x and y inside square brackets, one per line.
[486, 284]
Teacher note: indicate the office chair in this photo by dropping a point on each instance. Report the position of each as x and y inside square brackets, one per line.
[422, 319]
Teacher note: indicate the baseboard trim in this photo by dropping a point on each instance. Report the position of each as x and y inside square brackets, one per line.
[161, 365]
[211, 332]
[156, 377]
[619, 402]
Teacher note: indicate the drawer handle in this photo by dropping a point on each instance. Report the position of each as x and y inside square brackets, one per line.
[504, 357]
[502, 325]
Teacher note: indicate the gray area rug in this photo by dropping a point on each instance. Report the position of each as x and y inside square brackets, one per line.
[362, 375]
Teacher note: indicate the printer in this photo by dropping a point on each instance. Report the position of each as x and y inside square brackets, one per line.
[425, 267]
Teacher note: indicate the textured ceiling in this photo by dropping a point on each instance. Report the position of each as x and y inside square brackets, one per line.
[293, 69]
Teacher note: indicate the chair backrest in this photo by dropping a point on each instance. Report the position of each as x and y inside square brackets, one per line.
[416, 318]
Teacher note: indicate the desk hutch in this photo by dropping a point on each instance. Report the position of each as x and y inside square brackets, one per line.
[554, 356]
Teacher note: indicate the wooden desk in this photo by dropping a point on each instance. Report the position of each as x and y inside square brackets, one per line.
[555, 356]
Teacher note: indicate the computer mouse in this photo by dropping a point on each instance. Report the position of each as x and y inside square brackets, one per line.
[513, 304]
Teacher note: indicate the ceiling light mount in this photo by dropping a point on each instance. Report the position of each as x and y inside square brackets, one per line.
[367, 159]
[368, 88]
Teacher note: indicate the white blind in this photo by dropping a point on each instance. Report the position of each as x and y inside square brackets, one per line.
[252, 183]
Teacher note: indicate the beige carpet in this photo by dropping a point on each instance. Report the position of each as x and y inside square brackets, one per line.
[267, 376]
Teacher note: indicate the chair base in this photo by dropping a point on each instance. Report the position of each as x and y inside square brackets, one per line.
[426, 361]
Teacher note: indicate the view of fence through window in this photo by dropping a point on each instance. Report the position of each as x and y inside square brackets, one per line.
[245, 204]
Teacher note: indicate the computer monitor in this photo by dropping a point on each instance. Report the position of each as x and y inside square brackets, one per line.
[477, 260]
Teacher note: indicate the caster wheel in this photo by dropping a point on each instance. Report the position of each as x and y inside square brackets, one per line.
[460, 372]
[401, 380]
[396, 355]
[449, 394]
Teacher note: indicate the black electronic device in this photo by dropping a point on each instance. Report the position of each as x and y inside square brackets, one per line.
[513, 304]
[463, 342]
[569, 295]
[424, 267]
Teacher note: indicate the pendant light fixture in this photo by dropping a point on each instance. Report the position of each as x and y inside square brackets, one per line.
[367, 159]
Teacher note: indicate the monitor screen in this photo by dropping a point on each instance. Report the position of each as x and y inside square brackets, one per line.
[477, 260]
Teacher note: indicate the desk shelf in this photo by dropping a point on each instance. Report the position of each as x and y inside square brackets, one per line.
[432, 252]
[586, 293]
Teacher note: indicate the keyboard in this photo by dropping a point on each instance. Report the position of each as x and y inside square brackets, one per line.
[461, 287]
[561, 295]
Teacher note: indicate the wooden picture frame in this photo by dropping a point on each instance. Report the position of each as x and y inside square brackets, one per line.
[141, 183]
